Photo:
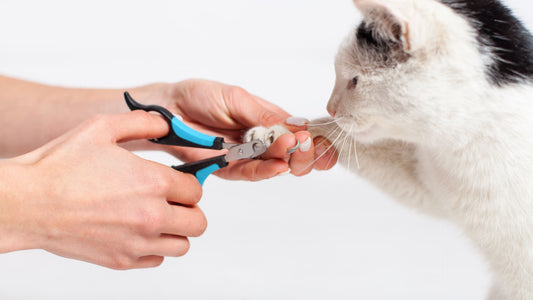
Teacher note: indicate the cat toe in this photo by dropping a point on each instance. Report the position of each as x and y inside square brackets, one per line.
[266, 135]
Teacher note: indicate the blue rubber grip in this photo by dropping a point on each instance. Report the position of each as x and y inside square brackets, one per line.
[204, 173]
[191, 135]
[203, 168]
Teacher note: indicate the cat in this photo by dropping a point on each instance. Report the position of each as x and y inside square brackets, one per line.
[435, 99]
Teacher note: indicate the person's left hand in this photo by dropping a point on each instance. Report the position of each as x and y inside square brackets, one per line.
[227, 111]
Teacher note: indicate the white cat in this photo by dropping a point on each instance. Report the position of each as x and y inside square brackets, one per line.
[438, 96]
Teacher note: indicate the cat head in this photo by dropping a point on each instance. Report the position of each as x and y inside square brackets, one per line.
[414, 67]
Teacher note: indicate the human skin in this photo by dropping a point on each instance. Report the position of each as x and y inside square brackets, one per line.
[84, 197]
[81, 194]
[41, 113]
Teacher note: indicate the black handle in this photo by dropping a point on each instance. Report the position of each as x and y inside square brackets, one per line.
[203, 168]
[134, 105]
[180, 134]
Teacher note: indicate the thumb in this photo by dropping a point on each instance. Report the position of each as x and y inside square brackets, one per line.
[251, 111]
[136, 125]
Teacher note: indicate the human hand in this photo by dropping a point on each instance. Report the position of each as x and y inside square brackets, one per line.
[81, 196]
[226, 111]
[312, 153]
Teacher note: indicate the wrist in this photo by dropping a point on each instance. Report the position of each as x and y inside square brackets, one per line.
[18, 229]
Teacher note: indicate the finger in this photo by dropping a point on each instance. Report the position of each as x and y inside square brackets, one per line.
[253, 111]
[325, 154]
[185, 221]
[302, 160]
[150, 261]
[135, 125]
[169, 245]
[192, 154]
[182, 188]
[280, 148]
[253, 170]
[268, 105]
[295, 124]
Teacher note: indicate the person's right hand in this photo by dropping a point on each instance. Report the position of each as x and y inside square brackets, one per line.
[84, 197]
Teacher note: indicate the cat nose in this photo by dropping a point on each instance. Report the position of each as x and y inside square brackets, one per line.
[332, 111]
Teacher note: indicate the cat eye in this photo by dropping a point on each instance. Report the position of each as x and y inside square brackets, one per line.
[354, 82]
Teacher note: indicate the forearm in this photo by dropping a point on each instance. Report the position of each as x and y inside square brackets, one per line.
[32, 114]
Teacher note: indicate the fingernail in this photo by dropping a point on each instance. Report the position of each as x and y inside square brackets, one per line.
[305, 146]
[296, 121]
[295, 148]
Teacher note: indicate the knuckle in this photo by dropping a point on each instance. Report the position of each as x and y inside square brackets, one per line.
[162, 183]
[238, 93]
[250, 174]
[143, 117]
[268, 117]
[98, 121]
[98, 118]
[137, 246]
[141, 114]
[121, 262]
[149, 219]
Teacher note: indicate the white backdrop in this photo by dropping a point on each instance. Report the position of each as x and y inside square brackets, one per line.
[328, 235]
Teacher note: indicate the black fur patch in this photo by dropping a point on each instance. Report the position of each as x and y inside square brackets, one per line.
[368, 40]
[502, 35]
[387, 49]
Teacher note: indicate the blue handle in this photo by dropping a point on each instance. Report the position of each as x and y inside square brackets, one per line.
[203, 173]
[203, 168]
[181, 134]
[185, 132]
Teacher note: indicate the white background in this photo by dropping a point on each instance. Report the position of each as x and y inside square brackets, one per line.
[329, 235]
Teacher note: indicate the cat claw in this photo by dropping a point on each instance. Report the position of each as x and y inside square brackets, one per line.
[293, 149]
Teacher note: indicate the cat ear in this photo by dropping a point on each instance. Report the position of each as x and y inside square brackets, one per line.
[384, 23]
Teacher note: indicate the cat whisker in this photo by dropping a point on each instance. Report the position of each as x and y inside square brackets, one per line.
[354, 142]
[321, 124]
[350, 149]
[341, 150]
[327, 138]
[339, 133]
[333, 144]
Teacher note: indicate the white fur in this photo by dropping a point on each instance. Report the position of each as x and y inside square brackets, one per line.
[266, 135]
[436, 135]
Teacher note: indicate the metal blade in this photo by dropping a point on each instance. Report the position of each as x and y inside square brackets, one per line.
[245, 151]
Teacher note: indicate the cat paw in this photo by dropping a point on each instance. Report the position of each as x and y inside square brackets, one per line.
[266, 135]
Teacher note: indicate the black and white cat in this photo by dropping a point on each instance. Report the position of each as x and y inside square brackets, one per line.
[438, 96]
